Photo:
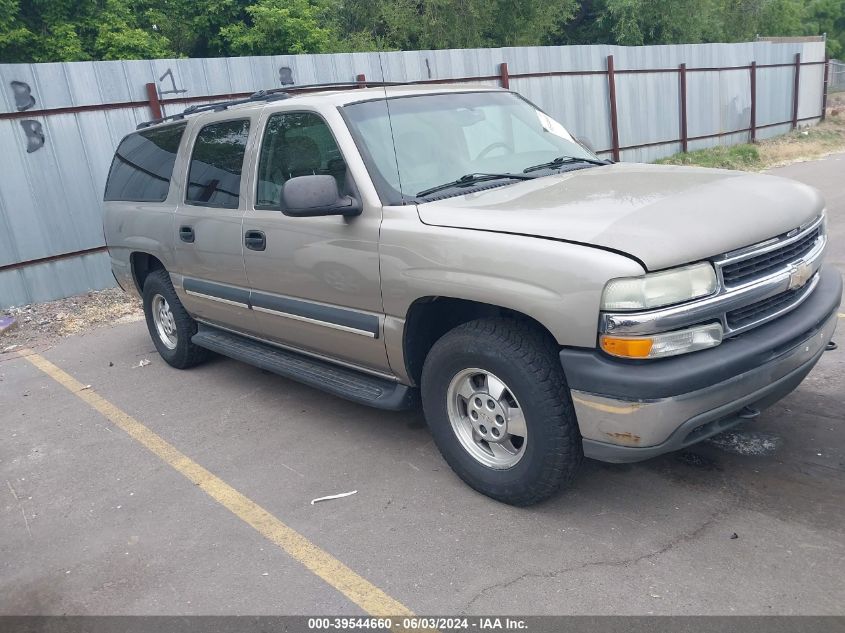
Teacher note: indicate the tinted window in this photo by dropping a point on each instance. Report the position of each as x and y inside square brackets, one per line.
[214, 179]
[143, 165]
[296, 144]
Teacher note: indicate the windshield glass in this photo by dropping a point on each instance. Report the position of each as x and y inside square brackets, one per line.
[440, 138]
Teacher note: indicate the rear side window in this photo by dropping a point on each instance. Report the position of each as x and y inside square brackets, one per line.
[143, 165]
[214, 179]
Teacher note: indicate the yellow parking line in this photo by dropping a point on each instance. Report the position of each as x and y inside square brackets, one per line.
[360, 591]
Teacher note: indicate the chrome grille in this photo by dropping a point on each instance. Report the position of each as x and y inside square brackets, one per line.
[761, 309]
[758, 266]
[757, 284]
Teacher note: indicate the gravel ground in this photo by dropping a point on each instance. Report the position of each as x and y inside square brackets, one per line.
[43, 323]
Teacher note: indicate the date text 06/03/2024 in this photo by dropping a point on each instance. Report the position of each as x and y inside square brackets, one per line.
[419, 623]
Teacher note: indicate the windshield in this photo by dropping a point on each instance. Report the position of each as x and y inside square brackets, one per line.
[440, 138]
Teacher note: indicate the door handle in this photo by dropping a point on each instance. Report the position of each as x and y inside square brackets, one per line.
[186, 234]
[255, 240]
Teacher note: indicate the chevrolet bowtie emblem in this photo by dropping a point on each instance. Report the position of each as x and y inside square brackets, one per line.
[800, 275]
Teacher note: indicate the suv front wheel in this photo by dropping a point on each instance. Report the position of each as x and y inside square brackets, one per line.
[499, 410]
[170, 326]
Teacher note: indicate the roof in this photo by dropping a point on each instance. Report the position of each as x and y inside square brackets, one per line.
[345, 97]
[327, 96]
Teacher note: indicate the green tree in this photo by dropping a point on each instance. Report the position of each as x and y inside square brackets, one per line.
[278, 26]
[828, 16]
[16, 40]
[193, 26]
[68, 30]
[436, 24]
[120, 35]
[74, 30]
[638, 22]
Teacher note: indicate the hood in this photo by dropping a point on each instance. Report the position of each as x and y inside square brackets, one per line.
[661, 215]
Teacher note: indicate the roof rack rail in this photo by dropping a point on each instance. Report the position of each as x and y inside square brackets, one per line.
[274, 94]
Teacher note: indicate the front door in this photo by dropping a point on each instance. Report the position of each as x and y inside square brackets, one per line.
[315, 281]
[209, 242]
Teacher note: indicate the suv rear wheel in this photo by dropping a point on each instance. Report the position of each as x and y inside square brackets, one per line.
[170, 326]
[499, 410]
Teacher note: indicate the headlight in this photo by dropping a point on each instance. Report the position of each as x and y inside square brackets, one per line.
[662, 345]
[660, 289]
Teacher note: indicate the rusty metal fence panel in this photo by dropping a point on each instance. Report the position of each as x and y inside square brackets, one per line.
[60, 123]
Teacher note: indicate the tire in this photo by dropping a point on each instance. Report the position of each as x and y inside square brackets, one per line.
[177, 350]
[522, 359]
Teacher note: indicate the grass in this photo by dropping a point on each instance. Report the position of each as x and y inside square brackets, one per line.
[802, 144]
[745, 157]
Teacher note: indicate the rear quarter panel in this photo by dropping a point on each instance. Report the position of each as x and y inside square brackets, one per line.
[145, 227]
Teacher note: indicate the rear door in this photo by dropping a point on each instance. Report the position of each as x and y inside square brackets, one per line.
[209, 240]
[315, 281]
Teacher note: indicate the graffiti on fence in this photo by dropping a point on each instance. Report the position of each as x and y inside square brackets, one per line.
[33, 130]
[23, 95]
[173, 89]
[34, 135]
[286, 76]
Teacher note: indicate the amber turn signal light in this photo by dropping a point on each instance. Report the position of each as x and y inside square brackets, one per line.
[627, 347]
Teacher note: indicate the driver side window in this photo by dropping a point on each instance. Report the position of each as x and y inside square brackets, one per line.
[295, 144]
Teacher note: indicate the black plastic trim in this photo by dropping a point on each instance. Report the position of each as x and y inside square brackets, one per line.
[229, 293]
[306, 309]
[594, 372]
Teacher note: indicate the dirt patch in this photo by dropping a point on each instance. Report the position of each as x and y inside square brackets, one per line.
[41, 323]
[805, 144]
[836, 103]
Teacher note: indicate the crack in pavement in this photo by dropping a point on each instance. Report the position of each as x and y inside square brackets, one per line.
[622, 562]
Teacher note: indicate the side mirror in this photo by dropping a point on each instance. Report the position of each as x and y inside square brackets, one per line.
[310, 196]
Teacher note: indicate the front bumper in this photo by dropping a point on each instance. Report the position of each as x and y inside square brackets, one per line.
[629, 411]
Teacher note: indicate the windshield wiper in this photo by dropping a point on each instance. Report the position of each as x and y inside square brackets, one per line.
[471, 179]
[563, 160]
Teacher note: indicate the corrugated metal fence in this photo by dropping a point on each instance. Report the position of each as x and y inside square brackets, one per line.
[60, 123]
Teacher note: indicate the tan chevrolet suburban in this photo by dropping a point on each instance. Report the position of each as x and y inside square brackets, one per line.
[456, 245]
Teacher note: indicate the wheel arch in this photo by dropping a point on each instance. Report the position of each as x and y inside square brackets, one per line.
[142, 264]
[429, 318]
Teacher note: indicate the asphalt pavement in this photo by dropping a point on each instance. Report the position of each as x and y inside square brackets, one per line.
[97, 516]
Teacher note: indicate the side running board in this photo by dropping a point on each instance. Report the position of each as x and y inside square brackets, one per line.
[339, 381]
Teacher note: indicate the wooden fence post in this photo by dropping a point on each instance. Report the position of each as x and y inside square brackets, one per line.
[155, 103]
[614, 119]
[753, 125]
[504, 76]
[795, 90]
[682, 71]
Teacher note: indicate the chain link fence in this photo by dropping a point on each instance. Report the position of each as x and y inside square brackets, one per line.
[836, 77]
